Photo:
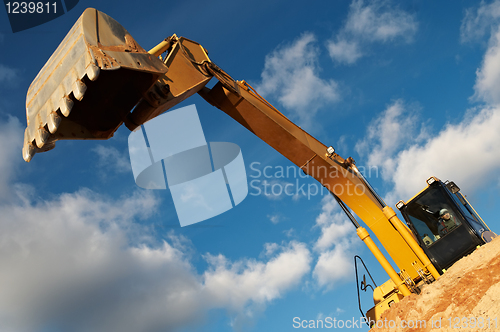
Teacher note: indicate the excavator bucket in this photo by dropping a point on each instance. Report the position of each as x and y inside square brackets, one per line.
[89, 85]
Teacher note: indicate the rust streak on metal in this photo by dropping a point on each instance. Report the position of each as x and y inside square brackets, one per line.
[103, 60]
[129, 46]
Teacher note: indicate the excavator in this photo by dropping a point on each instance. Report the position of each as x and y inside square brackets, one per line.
[100, 78]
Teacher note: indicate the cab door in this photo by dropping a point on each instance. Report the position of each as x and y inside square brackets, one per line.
[422, 216]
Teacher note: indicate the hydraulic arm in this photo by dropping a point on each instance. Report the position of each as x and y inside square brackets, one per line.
[340, 176]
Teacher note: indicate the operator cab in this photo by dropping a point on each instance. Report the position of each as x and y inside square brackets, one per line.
[446, 226]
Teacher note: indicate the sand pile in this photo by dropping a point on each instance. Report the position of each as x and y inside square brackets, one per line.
[465, 298]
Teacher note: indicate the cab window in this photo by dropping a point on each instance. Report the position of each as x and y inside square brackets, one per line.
[433, 215]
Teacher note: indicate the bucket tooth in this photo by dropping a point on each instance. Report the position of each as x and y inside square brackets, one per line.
[47, 146]
[28, 147]
[79, 89]
[41, 137]
[93, 72]
[28, 152]
[53, 122]
[66, 106]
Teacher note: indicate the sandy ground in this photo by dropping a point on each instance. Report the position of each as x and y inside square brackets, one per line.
[465, 298]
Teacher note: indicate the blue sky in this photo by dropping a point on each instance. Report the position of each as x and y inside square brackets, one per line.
[409, 90]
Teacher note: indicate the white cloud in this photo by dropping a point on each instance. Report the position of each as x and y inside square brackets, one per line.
[111, 159]
[234, 285]
[291, 75]
[344, 51]
[334, 266]
[466, 152]
[387, 134]
[380, 21]
[487, 85]
[289, 232]
[478, 22]
[369, 22]
[333, 223]
[7, 74]
[270, 248]
[82, 263]
[11, 138]
[246, 286]
[274, 218]
[335, 245]
[70, 265]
